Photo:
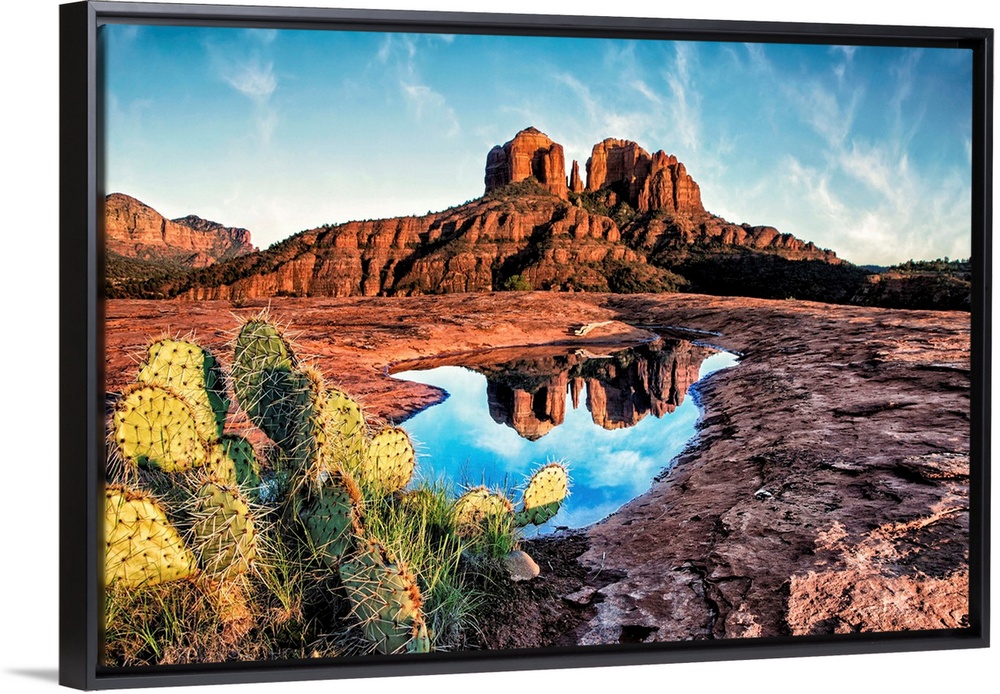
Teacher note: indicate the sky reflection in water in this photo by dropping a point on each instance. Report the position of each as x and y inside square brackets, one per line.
[460, 440]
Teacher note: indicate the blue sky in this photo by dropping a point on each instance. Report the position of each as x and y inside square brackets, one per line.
[864, 150]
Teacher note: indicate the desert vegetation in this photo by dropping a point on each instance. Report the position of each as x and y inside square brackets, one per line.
[306, 535]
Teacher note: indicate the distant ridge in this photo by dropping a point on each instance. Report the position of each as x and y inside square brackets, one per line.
[133, 229]
[636, 224]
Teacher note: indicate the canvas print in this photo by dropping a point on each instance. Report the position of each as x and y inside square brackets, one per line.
[422, 343]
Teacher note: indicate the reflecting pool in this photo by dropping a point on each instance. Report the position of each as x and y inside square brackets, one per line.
[617, 416]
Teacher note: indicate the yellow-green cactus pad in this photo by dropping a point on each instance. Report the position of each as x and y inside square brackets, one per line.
[476, 507]
[219, 466]
[142, 547]
[193, 373]
[390, 462]
[386, 599]
[224, 532]
[546, 491]
[154, 427]
[309, 426]
[345, 424]
[332, 517]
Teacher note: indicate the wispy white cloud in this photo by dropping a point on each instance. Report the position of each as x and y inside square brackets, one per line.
[425, 103]
[872, 206]
[685, 100]
[645, 90]
[249, 70]
[253, 79]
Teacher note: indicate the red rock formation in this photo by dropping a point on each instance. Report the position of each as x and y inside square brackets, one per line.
[135, 230]
[532, 415]
[530, 153]
[655, 381]
[628, 386]
[647, 183]
[544, 239]
[575, 182]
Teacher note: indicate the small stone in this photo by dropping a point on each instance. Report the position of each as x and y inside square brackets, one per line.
[762, 494]
[520, 566]
[582, 596]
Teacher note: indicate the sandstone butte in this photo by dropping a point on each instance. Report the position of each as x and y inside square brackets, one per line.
[135, 230]
[533, 221]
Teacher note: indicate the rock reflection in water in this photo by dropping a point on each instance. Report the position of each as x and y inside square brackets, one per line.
[622, 387]
[508, 411]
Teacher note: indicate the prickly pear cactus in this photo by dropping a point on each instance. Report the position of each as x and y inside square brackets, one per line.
[310, 433]
[477, 506]
[346, 428]
[332, 517]
[245, 462]
[219, 466]
[543, 496]
[386, 599]
[224, 532]
[142, 547]
[389, 464]
[194, 374]
[264, 378]
[154, 427]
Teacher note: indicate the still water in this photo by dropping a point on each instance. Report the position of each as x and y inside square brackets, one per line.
[617, 416]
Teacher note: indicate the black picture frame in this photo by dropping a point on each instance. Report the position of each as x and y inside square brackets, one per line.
[81, 341]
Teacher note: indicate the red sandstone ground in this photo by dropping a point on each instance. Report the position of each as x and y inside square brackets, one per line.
[827, 490]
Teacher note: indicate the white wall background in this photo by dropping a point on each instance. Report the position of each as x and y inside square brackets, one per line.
[28, 381]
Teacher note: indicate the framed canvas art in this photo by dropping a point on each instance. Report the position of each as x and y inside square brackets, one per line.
[422, 342]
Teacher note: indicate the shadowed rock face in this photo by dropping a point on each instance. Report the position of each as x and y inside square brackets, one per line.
[530, 153]
[135, 230]
[622, 387]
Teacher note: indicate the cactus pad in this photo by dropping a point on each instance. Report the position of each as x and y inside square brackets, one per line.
[389, 464]
[266, 386]
[194, 374]
[477, 506]
[223, 531]
[154, 427]
[545, 492]
[142, 547]
[219, 466]
[245, 462]
[345, 425]
[386, 599]
[332, 517]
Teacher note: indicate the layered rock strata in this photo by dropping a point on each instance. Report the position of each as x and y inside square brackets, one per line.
[554, 235]
[135, 230]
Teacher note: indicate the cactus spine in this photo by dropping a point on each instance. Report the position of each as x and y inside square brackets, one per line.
[390, 461]
[194, 374]
[154, 427]
[224, 531]
[543, 496]
[331, 515]
[142, 547]
[346, 425]
[266, 386]
[474, 509]
[245, 462]
[386, 600]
